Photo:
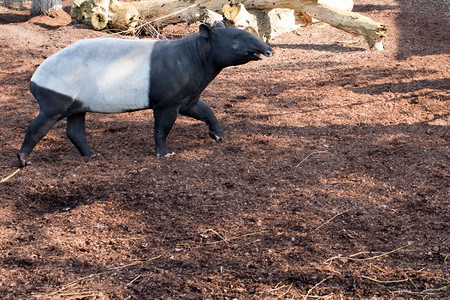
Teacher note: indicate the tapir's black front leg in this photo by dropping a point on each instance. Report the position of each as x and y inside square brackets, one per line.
[164, 120]
[201, 111]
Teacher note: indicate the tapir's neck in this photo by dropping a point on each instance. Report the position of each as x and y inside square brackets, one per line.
[181, 69]
[202, 55]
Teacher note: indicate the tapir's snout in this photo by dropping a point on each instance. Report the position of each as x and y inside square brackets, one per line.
[267, 53]
[264, 50]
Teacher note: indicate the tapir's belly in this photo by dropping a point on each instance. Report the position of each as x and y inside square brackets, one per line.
[104, 75]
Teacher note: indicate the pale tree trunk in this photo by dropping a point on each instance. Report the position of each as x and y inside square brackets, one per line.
[165, 12]
[44, 7]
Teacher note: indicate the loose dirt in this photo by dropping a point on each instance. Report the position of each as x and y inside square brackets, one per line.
[333, 180]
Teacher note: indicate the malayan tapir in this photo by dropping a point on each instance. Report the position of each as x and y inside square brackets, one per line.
[109, 75]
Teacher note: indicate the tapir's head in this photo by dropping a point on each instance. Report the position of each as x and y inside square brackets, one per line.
[231, 46]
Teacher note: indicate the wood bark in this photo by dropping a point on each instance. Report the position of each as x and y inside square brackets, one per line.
[43, 7]
[165, 12]
[265, 24]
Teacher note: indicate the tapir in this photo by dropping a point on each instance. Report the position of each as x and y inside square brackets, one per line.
[111, 75]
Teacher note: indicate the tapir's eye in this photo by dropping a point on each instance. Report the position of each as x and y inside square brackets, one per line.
[234, 44]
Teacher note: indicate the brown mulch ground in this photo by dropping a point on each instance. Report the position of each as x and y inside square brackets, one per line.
[333, 180]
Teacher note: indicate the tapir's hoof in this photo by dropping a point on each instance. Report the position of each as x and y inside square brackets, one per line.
[215, 137]
[23, 162]
[165, 155]
[91, 154]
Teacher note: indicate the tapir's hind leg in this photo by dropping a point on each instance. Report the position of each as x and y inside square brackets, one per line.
[52, 107]
[37, 129]
[76, 132]
[201, 111]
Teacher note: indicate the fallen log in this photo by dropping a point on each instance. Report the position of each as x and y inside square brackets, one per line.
[125, 15]
[350, 22]
[266, 24]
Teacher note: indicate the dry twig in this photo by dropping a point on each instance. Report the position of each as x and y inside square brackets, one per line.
[311, 289]
[384, 281]
[289, 288]
[10, 176]
[424, 293]
[281, 286]
[222, 239]
[79, 295]
[277, 287]
[307, 156]
[377, 267]
[216, 233]
[132, 281]
[410, 280]
[329, 220]
[364, 252]
[73, 283]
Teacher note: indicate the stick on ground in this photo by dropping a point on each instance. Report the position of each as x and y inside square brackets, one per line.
[10, 176]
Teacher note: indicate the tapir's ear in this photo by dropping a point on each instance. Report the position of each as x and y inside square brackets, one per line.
[205, 30]
[220, 25]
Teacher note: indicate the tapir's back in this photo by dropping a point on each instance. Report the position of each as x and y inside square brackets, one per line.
[105, 74]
